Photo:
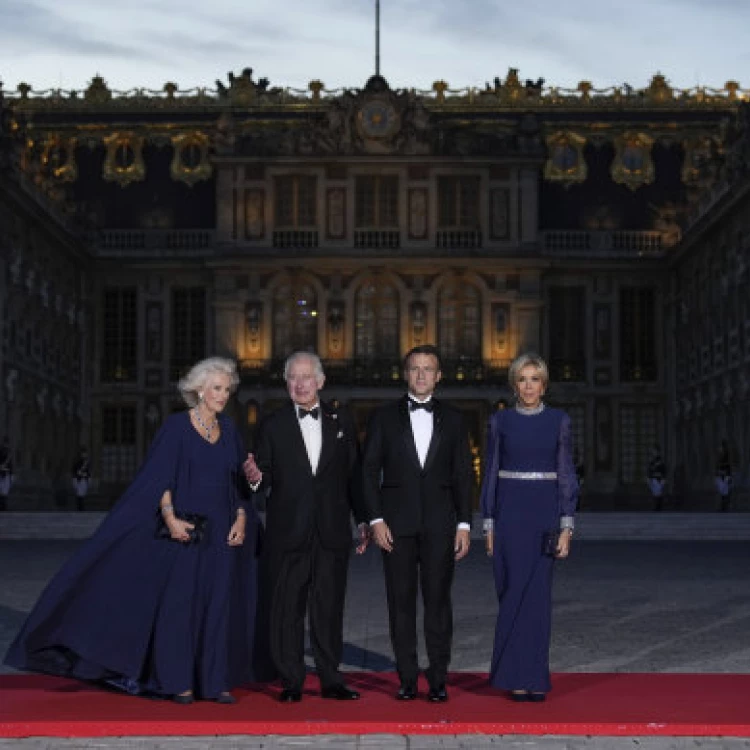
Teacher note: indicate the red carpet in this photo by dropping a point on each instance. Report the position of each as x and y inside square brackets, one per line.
[580, 704]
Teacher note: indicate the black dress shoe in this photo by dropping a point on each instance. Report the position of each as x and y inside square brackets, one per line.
[536, 697]
[225, 698]
[184, 700]
[290, 695]
[437, 694]
[406, 692]
[340, 693]
[519, 696]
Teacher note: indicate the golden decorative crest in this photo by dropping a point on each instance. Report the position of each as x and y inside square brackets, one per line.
[565, 159]
[190, 160]
[123, 162]
[58, 157]
[633, 166]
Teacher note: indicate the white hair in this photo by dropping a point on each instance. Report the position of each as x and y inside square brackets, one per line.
[525, 360]
[195, 381]
[311, 356]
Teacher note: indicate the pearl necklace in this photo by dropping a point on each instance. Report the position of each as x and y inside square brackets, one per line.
[208, 428]
[530, 410]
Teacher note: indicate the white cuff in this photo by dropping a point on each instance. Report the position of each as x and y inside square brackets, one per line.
[376, 520]
[463, 527]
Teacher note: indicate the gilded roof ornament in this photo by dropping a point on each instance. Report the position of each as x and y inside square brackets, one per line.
[244, 91]
[97, 92]
[659, 91]
[316, 87]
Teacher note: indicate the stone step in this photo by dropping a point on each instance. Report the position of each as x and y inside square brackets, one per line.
[643, 526]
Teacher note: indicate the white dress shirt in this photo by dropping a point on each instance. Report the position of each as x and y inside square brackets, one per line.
[312, 434]
[421, 427]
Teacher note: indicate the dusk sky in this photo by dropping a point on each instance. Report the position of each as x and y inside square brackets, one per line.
[145, 43]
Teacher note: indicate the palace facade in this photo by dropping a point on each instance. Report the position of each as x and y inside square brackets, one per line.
[606, 229]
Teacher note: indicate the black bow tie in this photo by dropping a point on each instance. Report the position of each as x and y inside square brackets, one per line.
[426, 405]
[302, 413]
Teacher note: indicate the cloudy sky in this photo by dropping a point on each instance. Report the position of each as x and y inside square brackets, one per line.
[63, 43]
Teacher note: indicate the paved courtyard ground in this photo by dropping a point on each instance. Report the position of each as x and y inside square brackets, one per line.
[629, 605]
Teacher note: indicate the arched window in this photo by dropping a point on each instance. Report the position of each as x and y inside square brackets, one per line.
[459, 322]
[295, 318]
[376, 321]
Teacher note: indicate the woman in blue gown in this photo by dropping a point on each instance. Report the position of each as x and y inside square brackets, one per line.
[529, 490]
[162, 615]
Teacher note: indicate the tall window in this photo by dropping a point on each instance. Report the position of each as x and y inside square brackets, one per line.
[577, 414]
[296, 201]
[638, 435]
[119, 335]
[377, 202]
[188, 321]
[458, 202]
[637, 334]
[459, 322]
[567, 333]
[295, 319]
[118, 459]
[376, 321]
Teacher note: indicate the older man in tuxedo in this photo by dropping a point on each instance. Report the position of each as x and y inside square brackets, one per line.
[308, 456]
[417, 476]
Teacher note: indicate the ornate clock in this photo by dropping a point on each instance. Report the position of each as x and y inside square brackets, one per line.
[378, 119]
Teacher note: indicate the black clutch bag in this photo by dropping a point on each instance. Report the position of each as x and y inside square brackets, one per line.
[550, 540]
[196, 533]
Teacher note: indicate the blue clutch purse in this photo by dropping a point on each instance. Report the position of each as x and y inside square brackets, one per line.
[196, 533]
[550, 540]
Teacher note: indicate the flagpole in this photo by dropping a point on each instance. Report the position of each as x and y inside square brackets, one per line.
[377, 37]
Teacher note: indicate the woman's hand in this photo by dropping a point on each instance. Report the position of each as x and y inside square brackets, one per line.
[237, 532]
[489, 543]
[563, 545]
[179, 529]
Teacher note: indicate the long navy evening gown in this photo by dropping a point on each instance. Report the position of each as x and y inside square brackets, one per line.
[153, 615]
[523, 510]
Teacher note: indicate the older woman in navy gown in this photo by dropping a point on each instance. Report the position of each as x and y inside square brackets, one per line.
[529, 491]
[142, 605]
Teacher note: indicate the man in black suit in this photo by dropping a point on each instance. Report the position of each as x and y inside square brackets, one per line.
[417, 476]
[308, 456]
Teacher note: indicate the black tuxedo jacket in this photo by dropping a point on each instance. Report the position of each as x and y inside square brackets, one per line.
[299, 501]
[412, 499]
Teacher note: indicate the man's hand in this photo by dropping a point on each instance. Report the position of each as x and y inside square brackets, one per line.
[382, 536]
[461, 546]
[252, 473]
[364, 534]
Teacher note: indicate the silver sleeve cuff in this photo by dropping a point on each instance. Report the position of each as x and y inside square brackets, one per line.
[567, 522]
[488, 525]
